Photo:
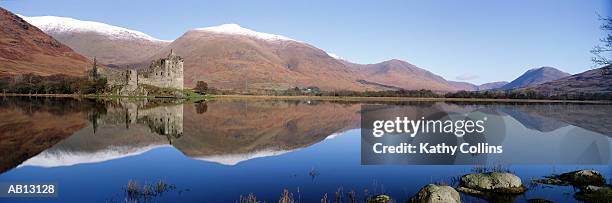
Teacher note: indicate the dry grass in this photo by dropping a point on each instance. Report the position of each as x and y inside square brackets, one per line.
[147, 191]
[250, 198]
[339, 197]
[286, 197]
[492, 168]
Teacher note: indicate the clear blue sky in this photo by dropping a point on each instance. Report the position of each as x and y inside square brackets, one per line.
[480, 41]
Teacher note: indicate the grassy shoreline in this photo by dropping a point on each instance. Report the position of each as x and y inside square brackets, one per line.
[340, 98]
[320, 98]
[94, 96]
[71, 95]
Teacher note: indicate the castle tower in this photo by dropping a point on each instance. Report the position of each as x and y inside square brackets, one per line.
[174, 68]
[168, 72]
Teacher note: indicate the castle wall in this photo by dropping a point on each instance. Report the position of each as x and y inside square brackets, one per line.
[113, 76]
[132, 80]
[163, 73]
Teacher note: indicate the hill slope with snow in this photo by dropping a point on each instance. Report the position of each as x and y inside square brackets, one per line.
[235, 29]
[232, 57]
[111, 45]
[55, 24]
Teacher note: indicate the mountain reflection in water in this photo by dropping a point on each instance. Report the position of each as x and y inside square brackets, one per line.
[224, 132]
[61, 132]
[119, 139]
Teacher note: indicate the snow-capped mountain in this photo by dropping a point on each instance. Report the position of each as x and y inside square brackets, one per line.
[335, 56]
[108, 43]
[223, 55]
[25, 49]
[55, 24]
[235, 29]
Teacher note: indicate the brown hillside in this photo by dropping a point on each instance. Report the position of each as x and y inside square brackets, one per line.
[402, 74]
[108, 51]
[592, 81]
[235, 61]
[26, 49]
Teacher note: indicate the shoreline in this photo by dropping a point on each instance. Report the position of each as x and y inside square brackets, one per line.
[340, 98]
[91, 96]
[325, 98]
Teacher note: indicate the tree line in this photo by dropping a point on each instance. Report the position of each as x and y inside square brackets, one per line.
[53, 84]
[489, 94]
[528, 94]
[63, 84]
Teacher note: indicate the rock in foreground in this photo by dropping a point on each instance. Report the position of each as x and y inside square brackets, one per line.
[492, 186]
[595, 194]
[576, 178]
[495, 182]
[436, 194]
[379, 199]
[583, 177]
[592, 185]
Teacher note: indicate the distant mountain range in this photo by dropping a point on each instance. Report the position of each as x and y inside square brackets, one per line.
[492, 85]
[592, 81]
[231, 57]
[534, 77]
[26, 49]
[401, 74]
[472, 87]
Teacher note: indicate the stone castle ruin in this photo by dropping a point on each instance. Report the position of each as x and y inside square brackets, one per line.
[164, 73]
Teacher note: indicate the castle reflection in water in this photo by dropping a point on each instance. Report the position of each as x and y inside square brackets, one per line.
[162, 118]
[53, 132]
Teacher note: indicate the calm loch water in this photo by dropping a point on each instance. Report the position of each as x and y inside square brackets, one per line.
[216, 151]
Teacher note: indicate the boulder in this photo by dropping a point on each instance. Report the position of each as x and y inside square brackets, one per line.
[379, 199]
[595, 194]
[436, 194]
[492, 182]
[551, 180]
[592, 184]
[577, 178]
[583, 178]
